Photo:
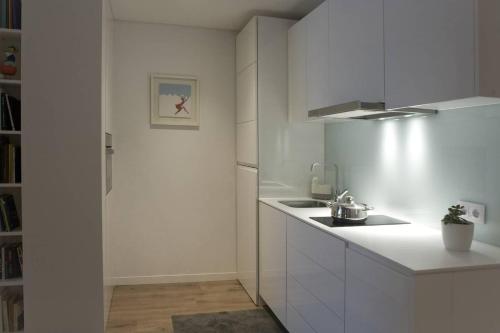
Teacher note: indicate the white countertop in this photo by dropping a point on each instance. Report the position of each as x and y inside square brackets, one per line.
[416, 248]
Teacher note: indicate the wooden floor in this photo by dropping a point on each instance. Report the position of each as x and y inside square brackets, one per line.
[148, 308]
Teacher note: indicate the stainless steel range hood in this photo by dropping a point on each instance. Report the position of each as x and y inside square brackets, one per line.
[366, 111]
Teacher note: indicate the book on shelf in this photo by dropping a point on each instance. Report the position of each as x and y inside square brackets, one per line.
[11, 261]
[10, 112]
[10, 162]
[10, 14]
[9, 219]
[12, 314]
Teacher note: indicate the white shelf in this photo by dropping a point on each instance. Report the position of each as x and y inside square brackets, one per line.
[10, 82]
[10, 32]
[11, 282]
[11, 233]
[10, 132]
[10, 185]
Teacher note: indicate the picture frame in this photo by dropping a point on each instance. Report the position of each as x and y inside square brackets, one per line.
[174, 100]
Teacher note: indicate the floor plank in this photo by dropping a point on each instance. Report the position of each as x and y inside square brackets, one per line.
[149, 308]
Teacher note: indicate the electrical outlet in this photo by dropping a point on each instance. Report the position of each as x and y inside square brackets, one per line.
[474, 212]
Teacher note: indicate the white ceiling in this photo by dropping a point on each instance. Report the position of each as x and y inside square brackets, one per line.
[217, 14]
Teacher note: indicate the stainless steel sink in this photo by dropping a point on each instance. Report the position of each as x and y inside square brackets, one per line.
[303, 203]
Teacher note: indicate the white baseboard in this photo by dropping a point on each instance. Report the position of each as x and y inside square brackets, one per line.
[180, 278]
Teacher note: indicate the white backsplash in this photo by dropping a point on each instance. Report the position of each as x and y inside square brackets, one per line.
[416, 168]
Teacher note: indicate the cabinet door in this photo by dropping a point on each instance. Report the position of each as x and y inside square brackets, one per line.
[317, 53]
[246, 94]
[246, 210]
[246, 46]
[356, 59]
[429, 51]
[246, 143]
[272, 242]
[377, 298]
[297, 85]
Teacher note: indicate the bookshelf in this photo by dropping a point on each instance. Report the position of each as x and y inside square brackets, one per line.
[11, 283]
[12, 86]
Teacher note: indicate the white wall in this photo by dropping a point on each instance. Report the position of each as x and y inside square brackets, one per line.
[62, 152]
[173, 199]
[107, 47]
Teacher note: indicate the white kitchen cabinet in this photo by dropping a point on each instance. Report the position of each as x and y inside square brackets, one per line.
[318, 246]
[430, 51]
[246, 94]
[272, 254]
[261, 79]
[431, 54]
[336, 56]
[315, 277]
[317, 58]
[377, 298]
[246, 217]
[382, 299]
[356, 53]
[246, 45]
[297, 72]
[246, 143]
[295, 323]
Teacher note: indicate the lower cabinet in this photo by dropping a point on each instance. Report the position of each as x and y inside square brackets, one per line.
[377, 298]
[315, 279]
[316, 283]
[381, 299]
[272, 255]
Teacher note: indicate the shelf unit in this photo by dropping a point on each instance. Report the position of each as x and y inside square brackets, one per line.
[11, 185]
[10, 82]
[10, 85]
[10, 33]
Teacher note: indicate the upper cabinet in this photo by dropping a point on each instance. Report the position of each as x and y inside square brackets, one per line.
[297, 85]
[356, 54]
[336, 56]
[435, 54]
[488, 30]
[246, 46]
[317, 55]
[429, 50]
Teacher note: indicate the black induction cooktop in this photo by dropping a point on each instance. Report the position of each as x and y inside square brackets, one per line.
[370, 221]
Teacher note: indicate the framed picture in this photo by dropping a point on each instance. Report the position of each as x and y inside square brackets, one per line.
[174, 100]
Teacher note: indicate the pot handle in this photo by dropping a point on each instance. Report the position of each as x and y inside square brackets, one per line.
[367, 207]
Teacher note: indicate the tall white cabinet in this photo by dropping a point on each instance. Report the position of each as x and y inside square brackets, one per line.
[261, 47]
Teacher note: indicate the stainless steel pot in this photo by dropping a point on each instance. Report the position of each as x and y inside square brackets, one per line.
[345, 210]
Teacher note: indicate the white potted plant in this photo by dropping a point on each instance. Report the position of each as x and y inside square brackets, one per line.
[457, 232]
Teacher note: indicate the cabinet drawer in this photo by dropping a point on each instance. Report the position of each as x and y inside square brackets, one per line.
[314, 312]
[377, 298]
[391, 283]
[322, 248]
[322, 284]
[295, 323]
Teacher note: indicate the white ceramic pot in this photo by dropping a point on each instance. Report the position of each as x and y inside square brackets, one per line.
[457, 237]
